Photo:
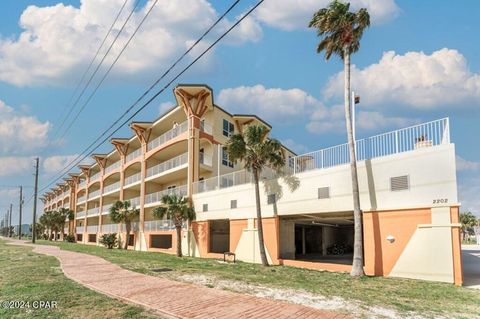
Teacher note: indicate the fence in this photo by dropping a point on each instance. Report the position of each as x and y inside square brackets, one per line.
[168, 135]
[167, 165]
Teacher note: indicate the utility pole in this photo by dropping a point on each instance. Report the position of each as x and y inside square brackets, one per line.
[20, 204]
[35, 201]
[10, 221]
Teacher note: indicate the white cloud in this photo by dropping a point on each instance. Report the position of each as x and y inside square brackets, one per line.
[20, 133]
[54, 164]
[417, 79]
[296, 14]
[12, 165]
[273, 103]
[466, 165]
[58, 41]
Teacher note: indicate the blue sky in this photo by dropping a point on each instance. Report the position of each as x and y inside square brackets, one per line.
[418, 62]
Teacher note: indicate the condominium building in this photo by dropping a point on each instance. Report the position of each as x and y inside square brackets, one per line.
[407, 186]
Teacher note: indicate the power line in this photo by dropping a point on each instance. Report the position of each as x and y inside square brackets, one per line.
[99, 65]
[66, 168]
[88, 69]
[110, 68]
[163, 89]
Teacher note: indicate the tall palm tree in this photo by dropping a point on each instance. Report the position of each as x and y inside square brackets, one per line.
[47, 221]
[122, 212]
[341, 31]
[257, 152]
[64, 214]
[177, 209]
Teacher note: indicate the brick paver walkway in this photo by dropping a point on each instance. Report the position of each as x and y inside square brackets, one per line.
[171, 298]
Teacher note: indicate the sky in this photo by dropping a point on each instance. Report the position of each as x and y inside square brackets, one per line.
[417, 62]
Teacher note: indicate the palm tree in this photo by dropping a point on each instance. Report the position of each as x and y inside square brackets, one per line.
[256, 151]
[341, 31]
[46, 220]
[121, 212]
[178, 210]
[64, 214]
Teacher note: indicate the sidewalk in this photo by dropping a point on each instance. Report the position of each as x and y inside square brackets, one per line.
[170, 298]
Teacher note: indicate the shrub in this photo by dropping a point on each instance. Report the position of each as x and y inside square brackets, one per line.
[109, 240]
[69, 238]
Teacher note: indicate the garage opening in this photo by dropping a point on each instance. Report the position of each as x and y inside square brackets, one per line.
[92, 238]
[326, 240]
[79, 237]
[161, 241]
[219, 231]
[131, 240]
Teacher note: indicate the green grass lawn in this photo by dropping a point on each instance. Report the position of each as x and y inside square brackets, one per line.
[27, 276]
[426, 298]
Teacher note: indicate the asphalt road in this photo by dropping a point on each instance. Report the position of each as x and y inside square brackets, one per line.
[471, 266]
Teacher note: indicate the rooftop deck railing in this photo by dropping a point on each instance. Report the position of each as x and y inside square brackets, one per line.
[167, 165]
[168, 135]
[157, 196]
[403, 140]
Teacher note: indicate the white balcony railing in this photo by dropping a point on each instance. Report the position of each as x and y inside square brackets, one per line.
[81, 199]
[95, 177]
[205, 127]
[133, 227]
[94, 194]
[168, 165]
[80, 229]
[112, 167]
[428, 134]
[206, 159]
[157, 196]
[93, 211]
[80, 214]
[109, 228]
[82, 184]
[112, 187]
[133, 155]
[134, 202]
[106, 208]
[159, 225]
[92, 229]
[168, 135]
[133, 178]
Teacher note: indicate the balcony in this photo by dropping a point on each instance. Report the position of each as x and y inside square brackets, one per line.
[106, 209]
[133, 227]
[157, 196]
[133, 179]
[205, 127]
[80, 229]
[134, 202]
[109, 228]
[206, 159]
[112, 167]
[94, 194]
[82, 184]
[168, 165]
[112, 187]
[160, 225]
[80, 214]
[168, 135]
[92, 229]
[94, 177]
[93, 211]
[133, 155]
[82, 199]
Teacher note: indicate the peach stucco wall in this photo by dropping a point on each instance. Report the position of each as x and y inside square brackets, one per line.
[380, 254]
[456, 246]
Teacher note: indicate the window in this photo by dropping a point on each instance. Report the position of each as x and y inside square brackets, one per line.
[161, 241]
[225, 160]
[227, 128]
[205, 207]
[323, 192]
[79, 237]
[271, 199]
[131, 240]
[92, 238]
[291, 161]
[233, 203]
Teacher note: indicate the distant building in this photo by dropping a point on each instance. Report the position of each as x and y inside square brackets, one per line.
[25, 230]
